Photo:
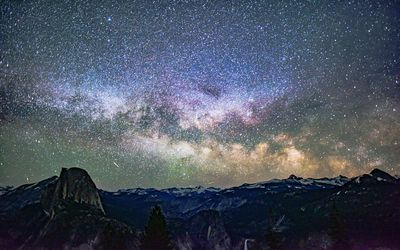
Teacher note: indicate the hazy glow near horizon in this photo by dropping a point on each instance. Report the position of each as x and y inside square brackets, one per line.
[214, 93]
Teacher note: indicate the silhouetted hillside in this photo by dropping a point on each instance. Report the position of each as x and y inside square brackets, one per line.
[68, 211]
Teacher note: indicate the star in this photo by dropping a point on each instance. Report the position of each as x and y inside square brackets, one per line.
[185, 93]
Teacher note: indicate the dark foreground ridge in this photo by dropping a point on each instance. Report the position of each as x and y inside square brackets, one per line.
[69, 212]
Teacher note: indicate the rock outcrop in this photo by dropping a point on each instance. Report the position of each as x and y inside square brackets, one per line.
[71, 217]
[73, 185]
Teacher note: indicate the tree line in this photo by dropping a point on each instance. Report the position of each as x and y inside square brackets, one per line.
[157, 237]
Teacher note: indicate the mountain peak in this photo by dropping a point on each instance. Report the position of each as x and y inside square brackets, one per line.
[376, 175]
[382, 174]
[294, 177]
[73, 185]
[377, 171]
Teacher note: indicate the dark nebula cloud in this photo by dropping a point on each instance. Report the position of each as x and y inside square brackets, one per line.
[172, 93]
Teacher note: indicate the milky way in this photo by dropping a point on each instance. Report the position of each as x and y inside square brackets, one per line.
[214, 93]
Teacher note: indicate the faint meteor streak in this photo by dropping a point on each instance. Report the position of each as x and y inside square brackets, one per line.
[116, 164]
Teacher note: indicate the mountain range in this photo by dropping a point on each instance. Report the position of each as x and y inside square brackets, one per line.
[70, 212]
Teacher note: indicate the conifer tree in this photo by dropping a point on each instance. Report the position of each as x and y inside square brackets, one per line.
[337, 230]
[156, 236]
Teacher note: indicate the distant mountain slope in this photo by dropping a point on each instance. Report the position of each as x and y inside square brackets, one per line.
[212, 218]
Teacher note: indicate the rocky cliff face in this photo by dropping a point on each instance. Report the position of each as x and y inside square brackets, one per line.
[73, 185]
[69, 215]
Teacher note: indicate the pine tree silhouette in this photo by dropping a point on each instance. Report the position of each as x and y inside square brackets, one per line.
[337, 230]
[156, 236]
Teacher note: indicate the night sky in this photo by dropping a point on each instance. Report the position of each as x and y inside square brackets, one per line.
[184, 93]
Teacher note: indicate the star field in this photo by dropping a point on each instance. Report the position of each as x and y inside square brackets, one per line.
[214, 93]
